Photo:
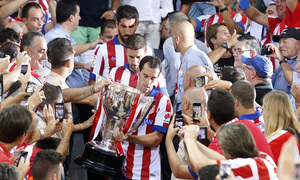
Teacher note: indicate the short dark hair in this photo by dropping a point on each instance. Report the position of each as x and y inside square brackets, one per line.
[237, 140]
[175, 17]
[59, 50]
[8, 34]
[209, 172]
[221, 106]
[212, 32]
[152, 61]
[45, 164]
[28, 40]
[64, 9]
[27, 7]
[10, 49]
[244, 91]
[232, 74]
[127, 12]
[136, 42]
[109, 23]
[52, 93]
[252, 43]
[15, 120]
[48, 143]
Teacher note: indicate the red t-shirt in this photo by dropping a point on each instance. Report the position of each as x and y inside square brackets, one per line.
[5, 155]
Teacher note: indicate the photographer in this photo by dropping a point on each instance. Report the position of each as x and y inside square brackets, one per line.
[287, 53]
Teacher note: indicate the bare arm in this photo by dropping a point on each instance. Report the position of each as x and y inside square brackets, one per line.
[110, 14]
[151, 140]
[67, 130]
[8, 9]
[79, 65]
[52, 8]
[81, 48]
[230, 23]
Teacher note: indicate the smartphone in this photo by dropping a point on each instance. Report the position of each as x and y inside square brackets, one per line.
[200, 81]
[59, 111]
[31, 87]
[24, 68]
[202, 132]
[179, 121]
[24, 154]
[297, 171]
[196, 110]
[1, 88]
[225, 169]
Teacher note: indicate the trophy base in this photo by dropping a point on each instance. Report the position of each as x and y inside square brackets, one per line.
[101, 162]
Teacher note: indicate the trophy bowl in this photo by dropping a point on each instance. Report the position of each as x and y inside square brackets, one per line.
[102, 157]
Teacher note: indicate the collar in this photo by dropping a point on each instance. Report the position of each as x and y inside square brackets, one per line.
[264, 85]
[154, 92]
[127, 67]
[116, 41]
[252, 116]
[55, 75]
[58, 26]
[4, 150]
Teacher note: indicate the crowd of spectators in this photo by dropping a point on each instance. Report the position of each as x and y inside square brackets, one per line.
[228, 70]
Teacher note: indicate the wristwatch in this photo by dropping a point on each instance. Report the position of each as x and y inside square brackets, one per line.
[224, 45]
[224, 9]
[282, 61]
[114, 11]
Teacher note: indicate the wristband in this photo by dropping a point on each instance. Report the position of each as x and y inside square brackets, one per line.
[224, 9]
[198, 25]
[80, 126]
[93, 89]
[245, 4]
[42, 133]
[282, 61]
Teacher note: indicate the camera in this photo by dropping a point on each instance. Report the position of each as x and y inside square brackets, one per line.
[24, 68]
[31, 87]
[196, 110]
[22, 154]
[202, 132]
[265, 50]
[59, 111]
[179, 121]
[2, 55]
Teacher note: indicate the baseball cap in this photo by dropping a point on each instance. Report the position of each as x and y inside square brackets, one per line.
[260, 63]
[288, 32]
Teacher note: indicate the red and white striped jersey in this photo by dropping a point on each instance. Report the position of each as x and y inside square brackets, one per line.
[261, 167]
[124, 76]
[290, 20]
[107, 56]
[206, 21]
[257, 118]
[143, 162]
[276, 142]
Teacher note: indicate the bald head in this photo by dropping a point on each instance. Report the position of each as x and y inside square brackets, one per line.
[191, 74]
[18, 26]
[193, 95]
[185, 31]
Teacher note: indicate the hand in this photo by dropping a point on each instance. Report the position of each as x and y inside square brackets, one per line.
[52, 127]
[286, 165]
[4, 63]
[87, 67]
[277, 54]
[102, 83]
[36, 98]
[94, 43]
[218, 84]
[119, 135]
[202, 120]
[191, 132]
[108, 15]
[296, 91]
[233, 40]
[22, 58]
[164, 33]
[48, 113]
[217, 3]
[68, 126]
[171, 130]
[23, 167]
[210, 74]
[89, 122]
[14, 158]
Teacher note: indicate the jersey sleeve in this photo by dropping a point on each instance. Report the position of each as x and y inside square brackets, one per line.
[163, 115]
[200, 22]
[273, 22]
[98, 67]
[112, 74]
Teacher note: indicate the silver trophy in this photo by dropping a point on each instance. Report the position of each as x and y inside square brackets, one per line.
[118, 100]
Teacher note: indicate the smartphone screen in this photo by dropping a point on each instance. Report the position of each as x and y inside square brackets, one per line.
[59, 111]
[297, 171]
[196, 110]
[202, 132]
[225, 169]
[24, 154]
[24, 68]
[179, 122]
[200, 81]
[31, 87]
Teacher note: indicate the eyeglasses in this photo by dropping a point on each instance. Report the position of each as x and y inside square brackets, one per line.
[276, 1]
[239, 51]
[245, 66]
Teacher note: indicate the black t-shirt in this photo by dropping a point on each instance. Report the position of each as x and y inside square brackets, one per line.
[222, 62]
[91, 11]
[261, 90]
